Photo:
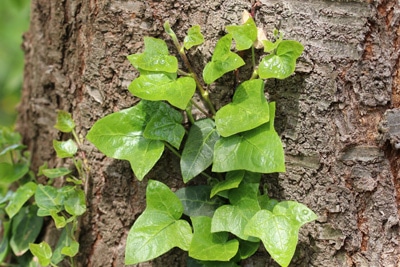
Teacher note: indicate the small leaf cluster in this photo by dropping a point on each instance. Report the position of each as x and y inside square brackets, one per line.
[23, 209]
[232, 147]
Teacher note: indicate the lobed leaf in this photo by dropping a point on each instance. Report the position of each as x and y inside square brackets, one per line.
[193, 37]
[46, 198]
[245, 35]
[158, 229]
[232, 180]
[197, 155]
[281, 64]
[64, 123]
[155, 57]
[222, 61]
[297, 212]
[209, 246]
[248, 109]
[258, 150]
[120, 135]
[42, 251]
[65, 149]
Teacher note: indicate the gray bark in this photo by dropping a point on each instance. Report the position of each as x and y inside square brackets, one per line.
[340, 145]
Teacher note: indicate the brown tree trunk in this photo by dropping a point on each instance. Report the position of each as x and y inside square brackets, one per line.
[337, 116]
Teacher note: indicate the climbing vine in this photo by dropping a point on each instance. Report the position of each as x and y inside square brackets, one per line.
[225, 220]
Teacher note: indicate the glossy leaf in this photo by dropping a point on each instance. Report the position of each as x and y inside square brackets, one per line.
[244, 35]
[232, 180]
[193, 37]
[11, 148]
[283, 63]
[75, 202]
[165, 124]
[164, 86]
[247, 248]
[64, 123]
[10, 173]
[59, 220]
[63, 241]
[159, 228]
[155, 57]
[196, 201]
[198, 152]
[55, 173]
[42, 251]
[26, 226]
[71, 250]
[196, 263]
[4, 242]
[65, 149]
[222, 61]
[18, 199]
[297, 212]
[248, 109]
[46, 198]
[277, 233]
[120, 135]
[233, 218]
[258, 150]
[209, 246]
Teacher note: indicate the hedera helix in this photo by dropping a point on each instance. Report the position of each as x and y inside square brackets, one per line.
[229, 217]
[22, 210]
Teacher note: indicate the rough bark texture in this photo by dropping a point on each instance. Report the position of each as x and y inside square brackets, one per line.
[337, 116]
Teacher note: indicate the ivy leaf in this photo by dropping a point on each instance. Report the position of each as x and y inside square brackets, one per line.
[164, 86]
[232, 180]
[196, 263]
[120, 135]
[75, 202]
[258, 150]
[56, 172]
[65, 149]
[71, 250]
[64, 123]
[46, 197]
[63, 241]
[233, 218]
[247, 248]
[245, 35]
[209, 246]
[4, 243]
[155, 57]
[297, 212]
[283, 63]
[222, 61]
[159, 228]
[198, 152]
[26, 226]
[42, 251]
[165, 125]
[196, 201]
[248, 109]
[19, 198]
[12, 172]
[193, 37]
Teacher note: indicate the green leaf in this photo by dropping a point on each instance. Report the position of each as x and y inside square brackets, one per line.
[232, 180]
[245, 35]
[10, 173]
[209, 246]
[164, 86]
[222, 61]
[64, 123]
[196, 200]
[120, 135]
[75, 202]
[42, 251]
[158, 229]
[4, 243]
[57, 172]
[248, 109]
[278, 234]
[155, 57]
[59, 220]
[283, 63]
[46, 198]
[196, 263]
[198, 152]
[19, 198]
[193, 37]
[247, 248]
[233, 218]
[165, 124]
[26, 226]
[297, 212]
[258, 150]
[71, 250]
[63, 241]
[65, 149]
[11, 148]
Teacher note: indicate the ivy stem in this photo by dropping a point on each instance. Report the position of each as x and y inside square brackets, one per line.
[189, 113]
[173, 150]
[181, 50]
[198, 107]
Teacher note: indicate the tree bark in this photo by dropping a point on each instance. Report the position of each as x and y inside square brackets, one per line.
[337, 115]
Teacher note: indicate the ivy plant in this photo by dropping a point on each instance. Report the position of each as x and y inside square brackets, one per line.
[22, 210]
[223, 222]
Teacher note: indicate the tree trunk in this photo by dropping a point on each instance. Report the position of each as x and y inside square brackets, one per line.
[337, 115]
